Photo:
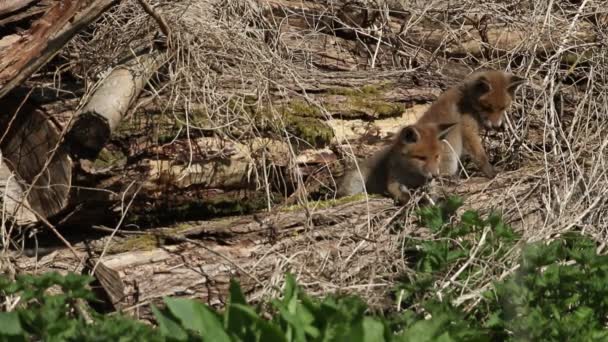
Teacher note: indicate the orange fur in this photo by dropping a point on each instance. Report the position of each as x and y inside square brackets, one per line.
[408, 163]
[480, 101]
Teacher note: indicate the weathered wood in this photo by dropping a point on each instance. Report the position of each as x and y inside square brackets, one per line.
[8, 6]
[95, 123]
[248, 243]
[30, 145]
[14, 202]
[45, 38]
[350, 25]
[495, 39]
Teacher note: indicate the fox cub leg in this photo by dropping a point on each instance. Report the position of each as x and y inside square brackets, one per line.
[474, 147]
[451, 150]
[398, 192]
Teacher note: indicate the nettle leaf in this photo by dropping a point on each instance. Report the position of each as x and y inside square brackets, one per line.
[336, 316]
[445, 337]
[299, 325]
[451, 205]
[10, 324]
[455, 255]
[169, 327]
[290, 292]
[236, 296]
[238, 316]
[8, 286]
[424, 330]
[197, 317]
[432, 218]
[471, 217]
[494, 321]
[368, 330]
[262, 329]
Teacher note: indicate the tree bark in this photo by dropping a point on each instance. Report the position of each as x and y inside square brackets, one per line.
[249, 243]
[95, 123]
[44, 39]
[30, 145]
[14, 202]
[8, 6]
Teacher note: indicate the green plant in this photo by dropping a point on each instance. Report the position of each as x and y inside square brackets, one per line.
[41, 315]
[559, 292]
[454, 241]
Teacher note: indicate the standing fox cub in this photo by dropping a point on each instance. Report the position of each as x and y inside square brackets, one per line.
[481, 100]
[408, 163]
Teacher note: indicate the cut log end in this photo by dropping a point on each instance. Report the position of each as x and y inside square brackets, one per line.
[87, 137]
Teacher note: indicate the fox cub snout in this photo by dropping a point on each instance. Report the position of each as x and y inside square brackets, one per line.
[420, 147]
[489, 94]
[409, 162]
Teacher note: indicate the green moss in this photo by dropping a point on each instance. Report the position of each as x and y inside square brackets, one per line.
[190, 209]
[364, 102]
[366, 90]
[330, 203]
[301, 108]
[373, 89]
[312, 131]
[107, 158]
[378, 108]
[574, 58]
[300, 119]
[136, 243]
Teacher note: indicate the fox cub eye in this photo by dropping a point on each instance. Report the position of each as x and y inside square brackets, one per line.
[421, 158]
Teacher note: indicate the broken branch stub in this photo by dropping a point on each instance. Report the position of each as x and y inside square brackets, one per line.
[95, 123]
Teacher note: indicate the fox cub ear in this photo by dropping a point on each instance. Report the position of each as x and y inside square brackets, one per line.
[409, 135]
[444, 129]
[481, 86]
[514, 83]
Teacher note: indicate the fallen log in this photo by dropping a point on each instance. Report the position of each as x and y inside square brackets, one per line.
[249, 248]
[349, 34]
[321, 241]
[104, 110]
[14, 202]
[30, 145]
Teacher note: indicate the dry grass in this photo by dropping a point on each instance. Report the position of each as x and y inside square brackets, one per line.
[553, 156]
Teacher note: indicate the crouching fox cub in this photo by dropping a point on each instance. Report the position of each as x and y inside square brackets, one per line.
[409, 162]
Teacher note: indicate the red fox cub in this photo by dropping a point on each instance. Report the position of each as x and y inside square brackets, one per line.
[409, 162]
[480, 100]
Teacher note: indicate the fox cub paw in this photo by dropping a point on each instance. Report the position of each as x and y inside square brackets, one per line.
[489, 171]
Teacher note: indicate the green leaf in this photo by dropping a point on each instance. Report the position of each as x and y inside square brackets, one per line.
[431, 217]
[267, 331]
[445, 337]
[472, 218]
[236, 295]
[451, 205]
[290, 292]
[168, 327]
[10, 324]
[373, 330]
[235, 321]
[197, 317]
